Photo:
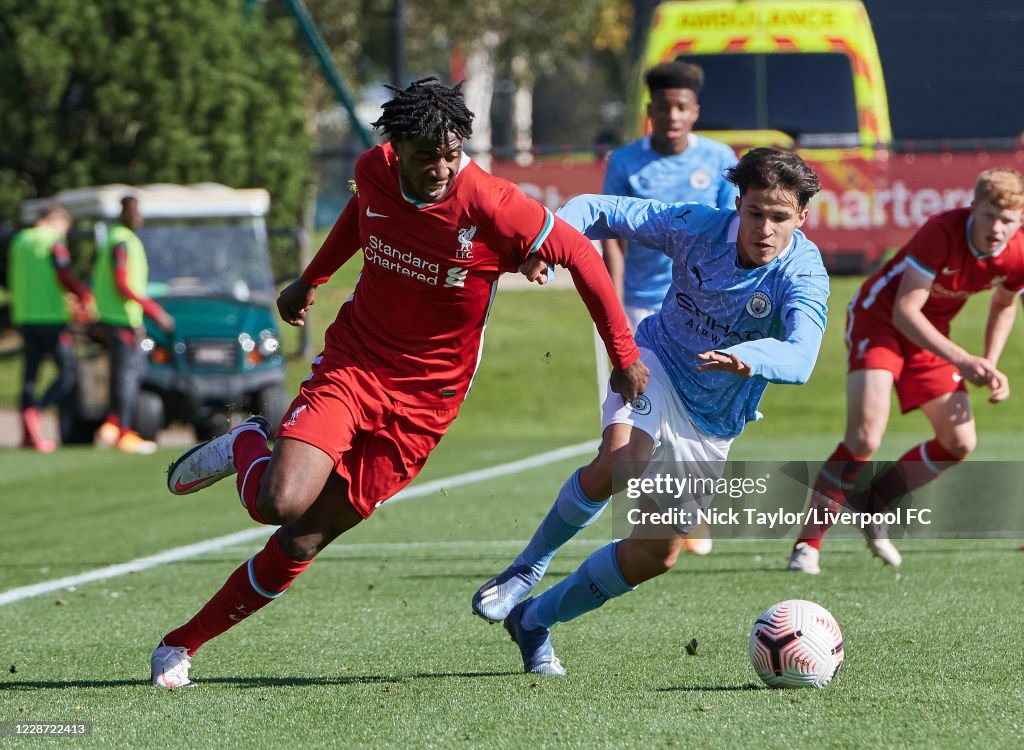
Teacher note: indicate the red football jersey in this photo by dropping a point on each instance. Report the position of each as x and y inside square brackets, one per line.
[430, 272]
[941, 249]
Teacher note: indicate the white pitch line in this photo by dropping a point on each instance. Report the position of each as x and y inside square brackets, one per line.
[240, 537]
[514, 467]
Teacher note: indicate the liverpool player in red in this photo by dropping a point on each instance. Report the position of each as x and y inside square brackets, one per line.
[436, 231]
[898, 334]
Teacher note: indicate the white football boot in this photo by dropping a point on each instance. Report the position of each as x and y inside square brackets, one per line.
[206, 463]
[804, 559]
[886, 550]
[170, 665]
[877, 535]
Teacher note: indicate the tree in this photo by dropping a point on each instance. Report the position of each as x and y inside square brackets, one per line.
[534, 38]
[141, 91]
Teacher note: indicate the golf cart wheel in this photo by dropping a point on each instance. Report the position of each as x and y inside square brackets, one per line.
[149, 415]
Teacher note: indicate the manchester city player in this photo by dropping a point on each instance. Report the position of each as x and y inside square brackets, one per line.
[675, 165]
[747, 306]
[672, 164]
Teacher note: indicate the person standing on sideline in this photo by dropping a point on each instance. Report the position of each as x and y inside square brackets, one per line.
[897, 333]
[39, 276]
[749, 295]
[120, 276]
[673, 165]
[435, 232]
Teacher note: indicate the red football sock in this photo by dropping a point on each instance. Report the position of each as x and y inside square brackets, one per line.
[834, 483]
[252, 456]
[918, 466]
[266, 576]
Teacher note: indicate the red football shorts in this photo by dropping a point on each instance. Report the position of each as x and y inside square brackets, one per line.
[919, 375]
[378, 444]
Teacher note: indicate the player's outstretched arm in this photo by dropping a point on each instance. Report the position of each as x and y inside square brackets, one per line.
[790, 360]
[719, 362]
[341, 244]
[606, 217]
[568, 248]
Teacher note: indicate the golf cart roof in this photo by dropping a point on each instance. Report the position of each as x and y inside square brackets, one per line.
[159, 201]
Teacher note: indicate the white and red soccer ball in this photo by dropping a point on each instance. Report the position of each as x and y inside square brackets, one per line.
[796, 643]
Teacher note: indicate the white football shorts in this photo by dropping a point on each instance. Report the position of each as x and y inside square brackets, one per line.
[635, 314]
[683, 458]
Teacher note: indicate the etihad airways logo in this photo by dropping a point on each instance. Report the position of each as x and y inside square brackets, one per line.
[707, 325]
[411, 265]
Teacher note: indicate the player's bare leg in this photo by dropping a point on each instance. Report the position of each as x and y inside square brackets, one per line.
[298, 489]
[597, 579]
[867, 416]
[955, 438]
[867, 410]
[328, 518]
[579, 503]
[613, 570]
[951, 418]
[649, 551]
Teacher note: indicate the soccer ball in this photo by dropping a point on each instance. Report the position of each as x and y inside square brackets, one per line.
[796, 643]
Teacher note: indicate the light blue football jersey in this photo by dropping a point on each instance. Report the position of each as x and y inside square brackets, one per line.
[772, 317]
[638, 171]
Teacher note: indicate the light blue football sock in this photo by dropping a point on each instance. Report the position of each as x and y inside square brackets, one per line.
[596, 581]
[572, 511]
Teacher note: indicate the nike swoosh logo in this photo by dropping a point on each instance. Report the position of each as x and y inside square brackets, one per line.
[374, 214]
[179, 487]
[948, 270]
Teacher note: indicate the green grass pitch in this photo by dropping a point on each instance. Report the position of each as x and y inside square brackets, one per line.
[375, 645]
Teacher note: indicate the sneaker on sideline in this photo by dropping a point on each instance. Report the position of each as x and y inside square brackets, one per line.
[107, 435]
[132, 442]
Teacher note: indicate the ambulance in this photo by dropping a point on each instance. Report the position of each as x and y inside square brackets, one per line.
[793, 73]
[797, 74]
[803, 75]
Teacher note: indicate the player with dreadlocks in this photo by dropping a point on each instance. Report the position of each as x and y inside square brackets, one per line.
[435, 232]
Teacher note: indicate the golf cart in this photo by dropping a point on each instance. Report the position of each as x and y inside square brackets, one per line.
[209, 267]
